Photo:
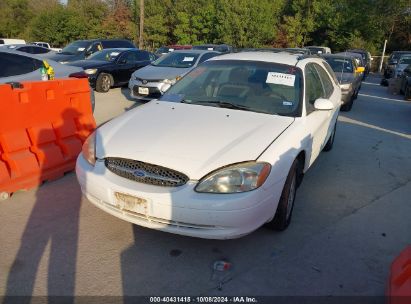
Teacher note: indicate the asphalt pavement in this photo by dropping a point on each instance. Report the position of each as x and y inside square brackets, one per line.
[351, 218]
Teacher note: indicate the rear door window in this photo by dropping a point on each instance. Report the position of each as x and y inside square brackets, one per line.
[13, 64]
[38, 50]
[142, 56]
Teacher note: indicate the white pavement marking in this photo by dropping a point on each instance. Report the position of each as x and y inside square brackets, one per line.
[376, 84]
[363, 124]
[385, 98]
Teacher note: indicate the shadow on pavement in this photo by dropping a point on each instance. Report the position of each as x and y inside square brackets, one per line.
[54, 224]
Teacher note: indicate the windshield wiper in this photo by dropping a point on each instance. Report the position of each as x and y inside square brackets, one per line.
[225, 104]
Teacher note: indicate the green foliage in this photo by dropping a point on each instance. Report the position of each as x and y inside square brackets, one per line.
[241, 23]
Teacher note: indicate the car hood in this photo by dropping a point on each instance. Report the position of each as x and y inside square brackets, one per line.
[191, 139]
[88, 64]
[345, 77]
[151, 72]
[401, 67]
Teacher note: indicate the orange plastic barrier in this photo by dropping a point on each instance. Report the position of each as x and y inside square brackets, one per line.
[399, 284]
[42, 128]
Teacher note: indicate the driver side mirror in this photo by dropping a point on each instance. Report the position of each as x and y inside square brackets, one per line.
[323, 104]
[88, 53]
[122, 61]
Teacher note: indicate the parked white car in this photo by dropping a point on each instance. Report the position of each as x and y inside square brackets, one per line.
[222, 152]
[46, 45]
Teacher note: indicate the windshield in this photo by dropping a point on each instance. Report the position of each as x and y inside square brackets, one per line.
[245, 85]
[315, 50]
[177, 60]
[340, 65]
[76, 47]
[105, 55]
[162, 50]
[405, 60]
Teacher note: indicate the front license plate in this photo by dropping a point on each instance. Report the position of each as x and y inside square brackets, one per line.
[142, 91]
[131, 203]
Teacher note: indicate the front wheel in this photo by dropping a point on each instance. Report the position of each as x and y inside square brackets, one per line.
[329, 145]
[282, 217]
[407, 93]
[103, 83]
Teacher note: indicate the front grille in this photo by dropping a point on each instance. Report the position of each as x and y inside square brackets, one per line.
[149, 80]
[145, 173]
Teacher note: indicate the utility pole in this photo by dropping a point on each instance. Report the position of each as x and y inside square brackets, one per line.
[140, 38]
[382, 57]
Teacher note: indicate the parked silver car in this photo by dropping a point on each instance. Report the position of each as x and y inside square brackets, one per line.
[349, 77]
[18, 66]
[153, 80]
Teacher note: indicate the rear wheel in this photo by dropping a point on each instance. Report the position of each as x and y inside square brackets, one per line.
[283, 214]
[103, 83]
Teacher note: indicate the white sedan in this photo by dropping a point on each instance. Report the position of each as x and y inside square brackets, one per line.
[222, 152]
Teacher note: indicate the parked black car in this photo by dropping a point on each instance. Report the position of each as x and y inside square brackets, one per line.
[406, 83]
[113, 67]
[81, 49]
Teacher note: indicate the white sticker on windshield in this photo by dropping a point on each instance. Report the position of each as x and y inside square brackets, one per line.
[170, 50]
[81, 49]
[114, 54]
[280, 78]
[210, 49]
[287, 103]
[189, 59]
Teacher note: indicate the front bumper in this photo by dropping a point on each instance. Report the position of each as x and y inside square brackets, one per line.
[154, 88]
[179, 210]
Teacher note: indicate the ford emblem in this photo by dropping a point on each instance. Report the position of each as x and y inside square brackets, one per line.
[140, 173]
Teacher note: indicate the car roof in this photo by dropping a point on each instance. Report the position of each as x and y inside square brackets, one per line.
[194, 51]
[35, 56]
[280, 57]
[14, 46]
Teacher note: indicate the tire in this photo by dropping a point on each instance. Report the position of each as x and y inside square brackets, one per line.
[103, 83]
[347, 107]
[329, 145]
[284, 212]
[407, 93]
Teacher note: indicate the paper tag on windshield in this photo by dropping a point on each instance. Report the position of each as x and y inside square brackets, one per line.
[210, 49]
[81, 49]
[189, 59]
[170, 50]
[114, 54]
[280, 78]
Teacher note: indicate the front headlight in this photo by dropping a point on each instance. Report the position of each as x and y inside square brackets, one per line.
[169, 81]
[90, 71]
[237, 178]
[345, 86]
[89, 149]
